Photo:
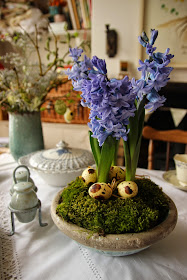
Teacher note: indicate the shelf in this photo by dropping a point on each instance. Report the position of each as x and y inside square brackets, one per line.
[58, 29]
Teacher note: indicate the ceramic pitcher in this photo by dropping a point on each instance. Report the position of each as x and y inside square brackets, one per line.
[25, 134]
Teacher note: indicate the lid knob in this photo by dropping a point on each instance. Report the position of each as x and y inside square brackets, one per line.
[61, 145]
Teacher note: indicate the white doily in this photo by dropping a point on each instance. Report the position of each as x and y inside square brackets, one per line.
[9, 263]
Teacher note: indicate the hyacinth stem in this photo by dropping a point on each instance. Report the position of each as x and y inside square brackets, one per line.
[133, 144]
[104, 157]
[116, 152]
[107, 157]
[96, 150]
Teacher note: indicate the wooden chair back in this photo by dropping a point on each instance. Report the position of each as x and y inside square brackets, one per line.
[168, 136]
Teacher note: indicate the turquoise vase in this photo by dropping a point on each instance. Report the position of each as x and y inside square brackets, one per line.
[25, 134]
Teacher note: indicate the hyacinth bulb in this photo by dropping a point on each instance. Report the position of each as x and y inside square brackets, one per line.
[127, 189]
[100, 191]
[116, 172]
[89, 176]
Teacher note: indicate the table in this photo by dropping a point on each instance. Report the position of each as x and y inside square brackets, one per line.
[45, 253]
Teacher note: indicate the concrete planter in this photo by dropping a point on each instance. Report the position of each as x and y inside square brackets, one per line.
[116, 244]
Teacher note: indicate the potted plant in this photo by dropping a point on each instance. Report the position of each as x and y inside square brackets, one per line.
[120, 212]
[24, 86]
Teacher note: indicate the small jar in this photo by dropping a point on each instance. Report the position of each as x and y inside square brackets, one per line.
[24, 201]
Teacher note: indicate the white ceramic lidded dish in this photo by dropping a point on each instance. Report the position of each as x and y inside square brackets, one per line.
[181, 168]
[61, 165]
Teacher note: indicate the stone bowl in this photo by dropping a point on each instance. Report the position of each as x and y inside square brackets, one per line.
[115, 244]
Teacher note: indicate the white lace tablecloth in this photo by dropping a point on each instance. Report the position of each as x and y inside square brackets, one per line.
[44, 253]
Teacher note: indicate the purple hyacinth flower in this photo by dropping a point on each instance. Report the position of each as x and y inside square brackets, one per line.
[75, 53]
[155, 101]
[154, 34]
[159, 81]
[140, 88]
[150, 49]
[100, 64]
[165, 70]
[77, 85]
[146, 67]
[141, 41]
[74, 73]
[86, 64]
[163, 59]
[144, 37]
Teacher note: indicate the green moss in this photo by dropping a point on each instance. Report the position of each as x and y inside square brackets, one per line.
[116, 215]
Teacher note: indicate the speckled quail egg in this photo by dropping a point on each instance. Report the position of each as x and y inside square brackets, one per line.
[89, 176]
[68, 116]
[116, 172]
[127, 189]
[101, 191]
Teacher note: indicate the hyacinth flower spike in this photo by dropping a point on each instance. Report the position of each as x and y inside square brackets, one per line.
[154, 77]
[117, 107]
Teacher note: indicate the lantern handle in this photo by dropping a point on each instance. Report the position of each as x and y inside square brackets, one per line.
[14, 173]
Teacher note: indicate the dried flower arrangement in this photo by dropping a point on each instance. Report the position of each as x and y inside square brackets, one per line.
[24, 85]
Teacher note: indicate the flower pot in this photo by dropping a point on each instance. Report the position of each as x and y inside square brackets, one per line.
[116, 244]
[25, 134]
